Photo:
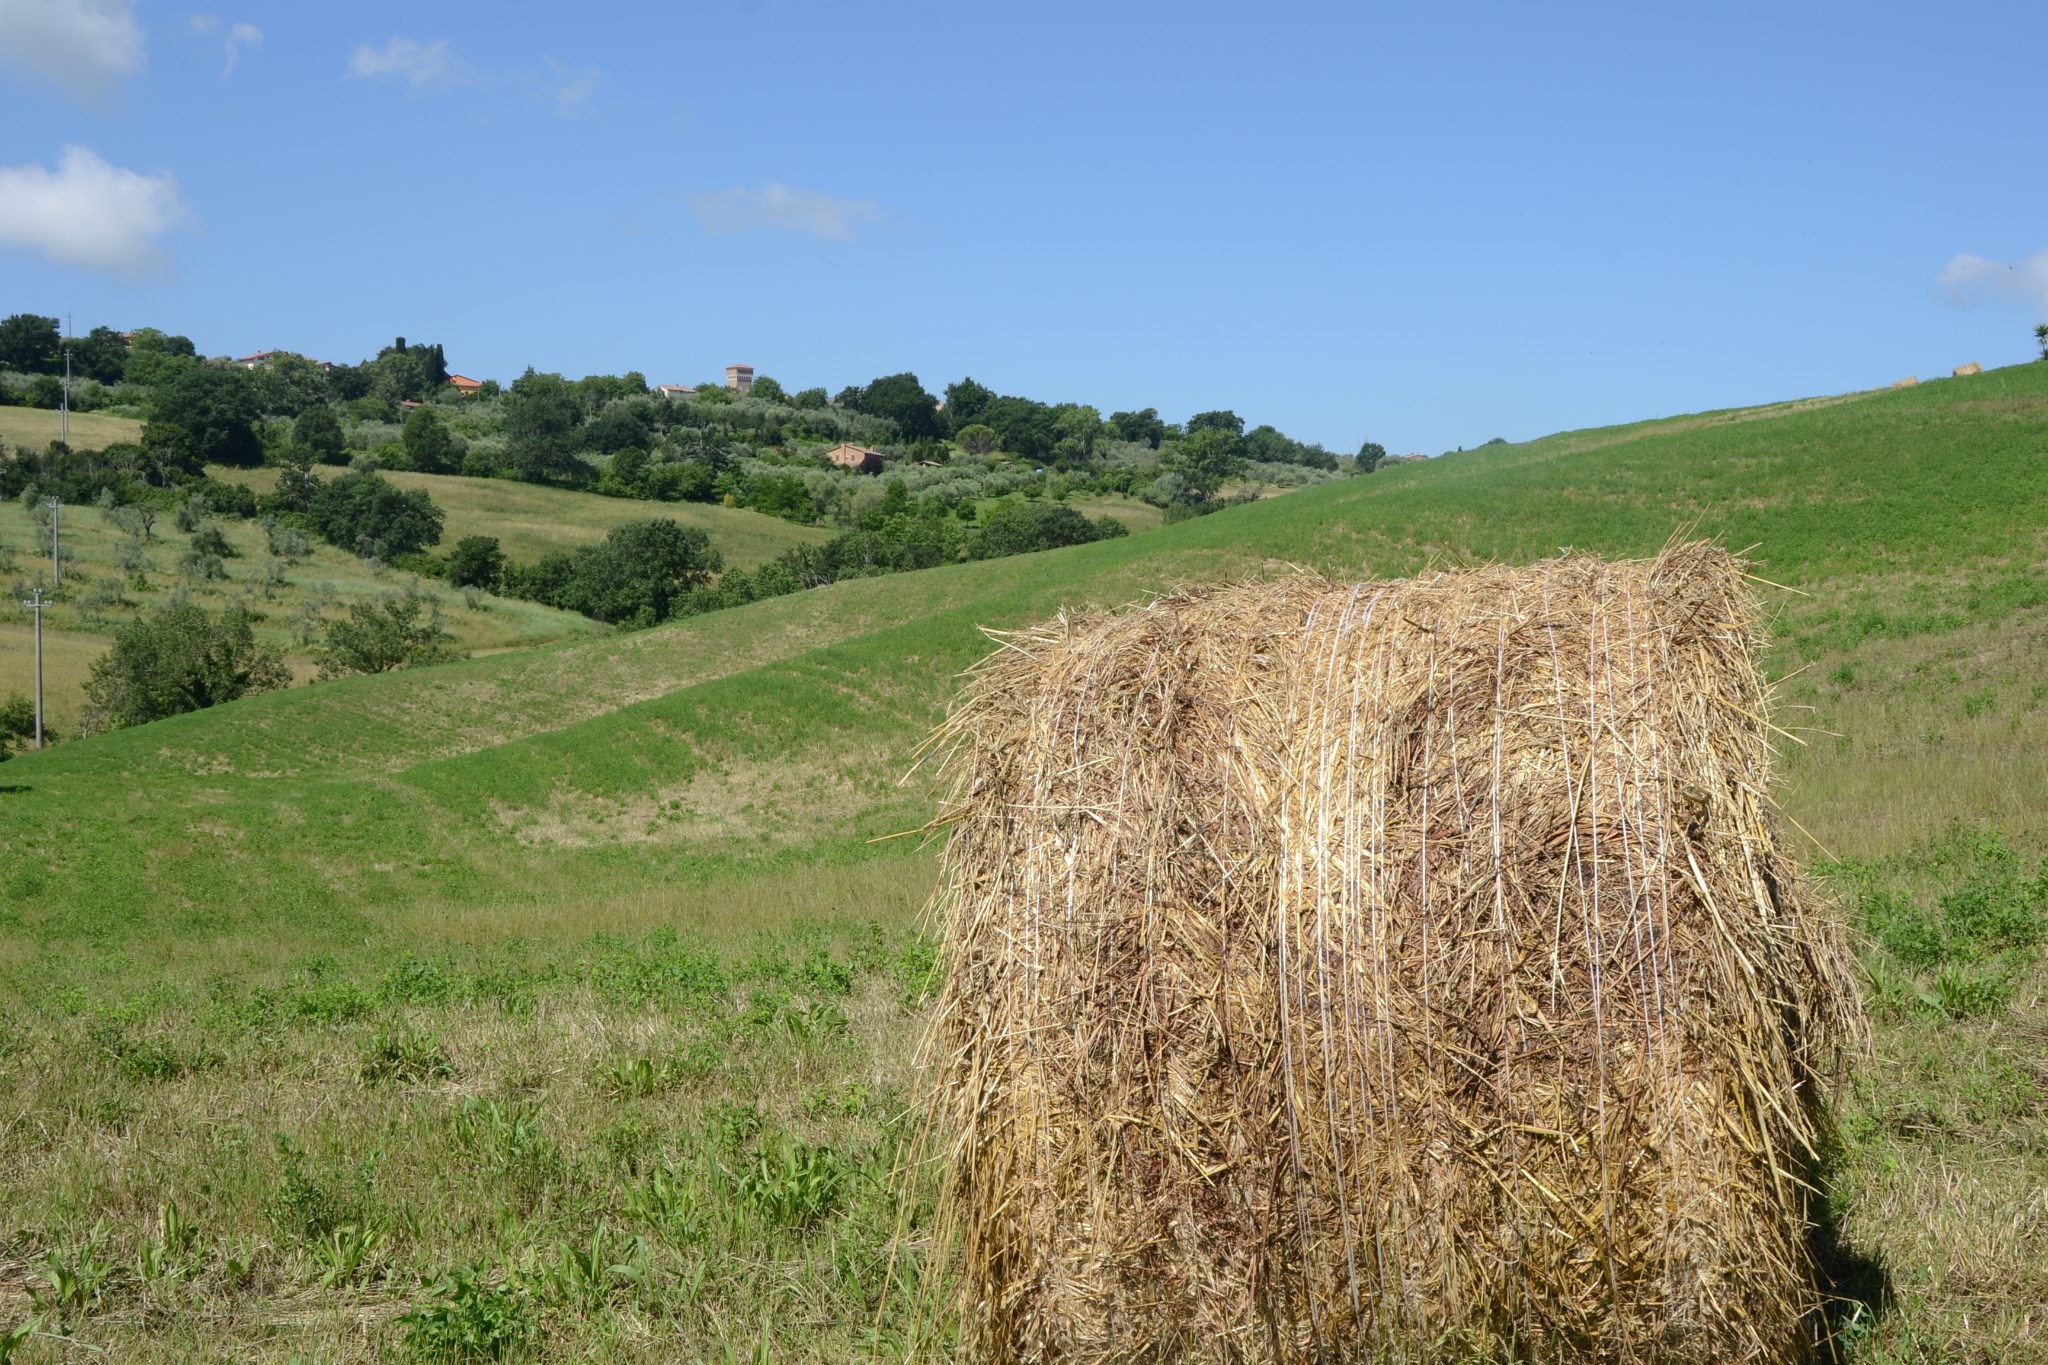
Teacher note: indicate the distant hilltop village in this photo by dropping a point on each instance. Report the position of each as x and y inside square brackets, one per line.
[738, 378]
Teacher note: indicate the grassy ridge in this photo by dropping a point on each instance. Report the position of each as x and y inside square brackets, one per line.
[239, 913]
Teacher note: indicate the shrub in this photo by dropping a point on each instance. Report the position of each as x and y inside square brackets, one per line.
[398, 630]
[476, 561]
[1025, 527]
[17, 724]
[210, 540]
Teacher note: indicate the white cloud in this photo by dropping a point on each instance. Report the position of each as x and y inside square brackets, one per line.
[88, 213]
[779, 206]
[572, 86]
[234, 36]
[86, 46]
[1968, 280]
[422, 66]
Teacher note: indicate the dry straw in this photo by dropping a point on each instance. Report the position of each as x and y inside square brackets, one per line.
[1391, 971]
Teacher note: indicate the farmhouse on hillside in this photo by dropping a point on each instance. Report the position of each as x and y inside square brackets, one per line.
[677, 391]
[464, 385]
[862, 458]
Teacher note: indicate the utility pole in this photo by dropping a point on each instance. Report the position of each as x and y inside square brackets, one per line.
[64, 409]
[56, 506]
[35, 604]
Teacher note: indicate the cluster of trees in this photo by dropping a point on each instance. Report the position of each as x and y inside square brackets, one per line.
[611, 434]
[183, 658]
[647, 572]
[638, 575]
[608, 433]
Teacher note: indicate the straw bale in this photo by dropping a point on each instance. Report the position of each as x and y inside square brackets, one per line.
[1394, 970]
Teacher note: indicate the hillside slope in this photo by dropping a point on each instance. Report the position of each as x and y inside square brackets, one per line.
[778, 732]
[580, 960]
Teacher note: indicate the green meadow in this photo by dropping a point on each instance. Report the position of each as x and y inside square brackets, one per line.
[561, 1003]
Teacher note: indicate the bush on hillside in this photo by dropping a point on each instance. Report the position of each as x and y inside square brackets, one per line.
[398, 630]
[637, 576]
[476, 562]
[17, 725]
[368, 515]
[1025, 527]
[180, 659]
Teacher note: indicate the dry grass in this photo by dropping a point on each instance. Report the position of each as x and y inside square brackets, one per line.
[67, 659]
[35, 428]
[1405, 970]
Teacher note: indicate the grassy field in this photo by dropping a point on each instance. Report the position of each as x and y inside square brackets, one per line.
[332, 1093]
[35, 428]
[98, 594]
[67, 658]
[1136, 516]
[529, 520]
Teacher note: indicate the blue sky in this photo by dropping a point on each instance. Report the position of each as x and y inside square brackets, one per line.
[1421, 224]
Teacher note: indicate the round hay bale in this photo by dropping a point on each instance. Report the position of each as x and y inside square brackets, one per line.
[1395, 970]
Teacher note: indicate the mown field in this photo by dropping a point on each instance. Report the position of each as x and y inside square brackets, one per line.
[35, 428]
[561, 998]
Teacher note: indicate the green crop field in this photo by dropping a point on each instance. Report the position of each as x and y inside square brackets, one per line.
[564, 997]
[529, 519]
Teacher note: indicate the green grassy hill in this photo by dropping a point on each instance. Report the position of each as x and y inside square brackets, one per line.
[1897, 517]
[731, 771]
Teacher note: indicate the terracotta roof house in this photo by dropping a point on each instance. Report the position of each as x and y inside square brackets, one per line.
[250, 362]
[848, 456]
[464, 385]
[674, 391]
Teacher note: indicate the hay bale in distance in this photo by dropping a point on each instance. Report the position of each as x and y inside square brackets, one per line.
[1962, 370]
[1394, 970]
